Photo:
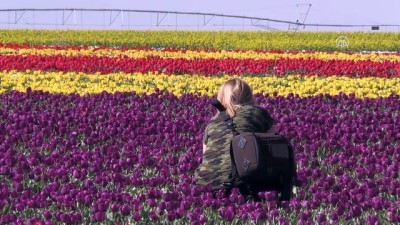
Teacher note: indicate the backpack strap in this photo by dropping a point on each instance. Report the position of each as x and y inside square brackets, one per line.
[227, 119]
[234, 180]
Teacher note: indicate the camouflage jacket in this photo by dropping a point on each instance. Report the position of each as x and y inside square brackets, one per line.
[216, 163]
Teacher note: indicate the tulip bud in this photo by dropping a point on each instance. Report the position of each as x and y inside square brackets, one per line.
[136, 216]
[125, 210]
[47, 215]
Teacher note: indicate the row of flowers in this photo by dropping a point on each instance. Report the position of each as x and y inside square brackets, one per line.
[80, 83]
[323, 41]
[129, 158]
[118, 137]
[283, 66]
[193, 54]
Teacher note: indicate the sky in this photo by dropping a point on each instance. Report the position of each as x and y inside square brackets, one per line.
[321, 11]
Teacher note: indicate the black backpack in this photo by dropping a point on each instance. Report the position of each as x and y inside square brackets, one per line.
[260, 161]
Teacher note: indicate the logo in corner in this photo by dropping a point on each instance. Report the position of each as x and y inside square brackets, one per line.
[342, 42]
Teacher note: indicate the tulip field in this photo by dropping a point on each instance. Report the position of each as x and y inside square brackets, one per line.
[105, 127]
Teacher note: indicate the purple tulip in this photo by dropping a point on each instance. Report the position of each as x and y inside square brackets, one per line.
[101, 207]
[48, 215]
[125, 210]
[283, 221]
[99, 216]
[151, 202]
[66, 218]
[136, 216]
[227, 213]
[180, 212]
[372, 220]
[270, 196]
[171, 215]
[258, 215]
[78, 147]
[153, 216]
[114, 207]
[305, 215]
[355, 211]
[76, 217]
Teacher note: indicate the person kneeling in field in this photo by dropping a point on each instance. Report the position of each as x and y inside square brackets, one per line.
[236, 96]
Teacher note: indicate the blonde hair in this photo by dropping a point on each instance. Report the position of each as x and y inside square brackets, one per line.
[235, 93]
